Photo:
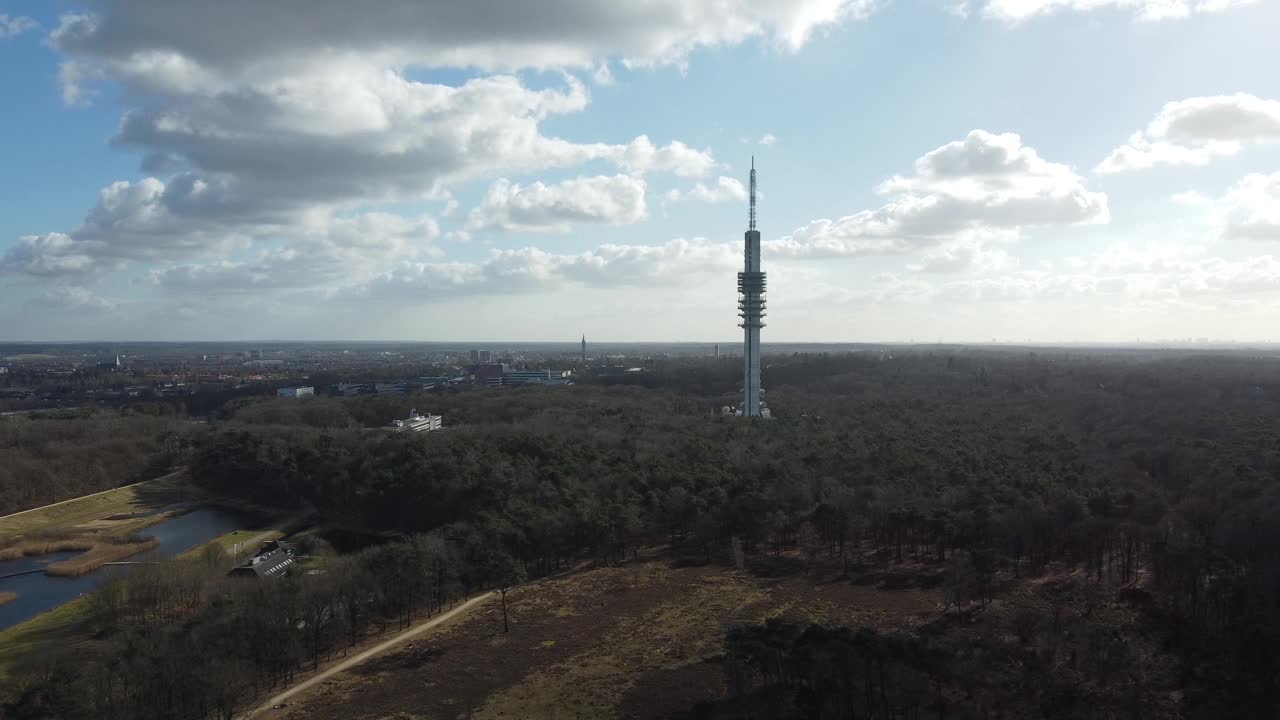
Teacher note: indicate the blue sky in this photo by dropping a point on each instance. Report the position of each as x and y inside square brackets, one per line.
[439, 171]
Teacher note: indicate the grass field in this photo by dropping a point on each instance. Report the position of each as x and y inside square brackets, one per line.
[59, 629]
[639, 640]
[90, 513]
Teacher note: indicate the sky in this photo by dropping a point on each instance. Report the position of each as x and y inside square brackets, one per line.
[486, 170]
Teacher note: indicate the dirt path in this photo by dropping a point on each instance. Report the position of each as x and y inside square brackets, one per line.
[365, 655]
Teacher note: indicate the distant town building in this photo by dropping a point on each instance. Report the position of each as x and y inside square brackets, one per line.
[615, 371]
[352, 389]
[390, 388]
[499, 374]
[485, 356]
[534, 377]
[584, 348]
[417, 423]
[490, 374]
[296, 392]
[4, 371]
[475, 356]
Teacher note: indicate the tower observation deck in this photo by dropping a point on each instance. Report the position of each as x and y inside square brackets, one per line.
[751, 285]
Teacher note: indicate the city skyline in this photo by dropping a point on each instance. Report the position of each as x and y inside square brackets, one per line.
[1050, 171]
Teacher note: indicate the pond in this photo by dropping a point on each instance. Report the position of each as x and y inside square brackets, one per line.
[38, 593]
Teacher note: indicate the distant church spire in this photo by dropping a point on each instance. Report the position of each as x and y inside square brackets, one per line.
[584, 347]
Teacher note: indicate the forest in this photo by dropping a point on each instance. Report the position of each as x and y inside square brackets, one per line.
[1148, 482]
[53, 456]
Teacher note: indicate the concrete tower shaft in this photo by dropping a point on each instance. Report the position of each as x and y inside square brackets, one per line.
[751, 287]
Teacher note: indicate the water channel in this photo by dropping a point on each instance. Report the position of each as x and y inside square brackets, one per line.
[38, 593]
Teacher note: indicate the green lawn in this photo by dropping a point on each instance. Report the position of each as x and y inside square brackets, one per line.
[90, 510]
[229, 541]
[61, 627]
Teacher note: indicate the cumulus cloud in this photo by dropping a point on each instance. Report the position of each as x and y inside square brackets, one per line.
[532, 269]
[617, 200]
[258, 120]
[76, 298]
[1189, 280]
[371, 136]
[725, 189]
[318, 251]
[1016, 11]
[767, 139]
[14, 26]
[642, 156]
[960, 256]
[51, 254]
[984, 188]
[337, 252]
[494, 35]
[144, 220]
[1151, 276]
[1252, 208]
[1196, 130]
[259, 176]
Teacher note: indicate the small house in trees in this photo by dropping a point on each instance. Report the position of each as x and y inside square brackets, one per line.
[273, 560]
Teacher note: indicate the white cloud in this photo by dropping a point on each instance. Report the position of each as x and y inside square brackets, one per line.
[51, 254]
[325, 271]
[270, 166]
[11, 27]
[642, 156]
[617, 200]
[329, 254]
[75, 298]
[1016, 11]
[530, 269]
[1252, 208]
[1167, 277]
[1190, 198]
[144, 220]
[768, 139]
[984, 188]
[726, 189]
[258, 121]
[961, 256]
[131, 223]
[493, 35]
[1196, 130]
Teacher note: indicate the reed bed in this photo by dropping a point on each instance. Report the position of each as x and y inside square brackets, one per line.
[28, 548]
[99, 555]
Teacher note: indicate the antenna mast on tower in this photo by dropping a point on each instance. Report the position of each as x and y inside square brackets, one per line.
[751, 217]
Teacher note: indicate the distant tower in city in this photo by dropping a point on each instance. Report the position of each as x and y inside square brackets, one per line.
[584, 348]
[751, 308]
